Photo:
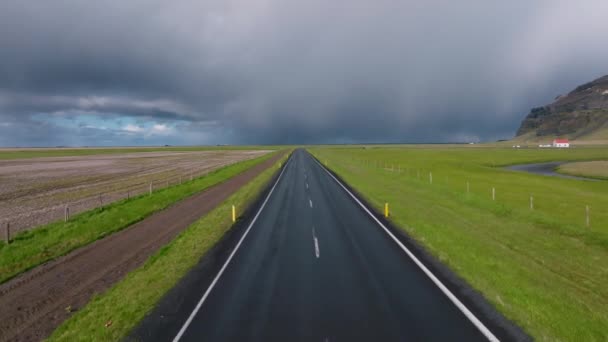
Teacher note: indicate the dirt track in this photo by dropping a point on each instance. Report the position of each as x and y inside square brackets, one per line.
[36, 191]
[35, 303]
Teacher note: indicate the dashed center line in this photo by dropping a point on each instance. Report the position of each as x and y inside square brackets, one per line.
[306, 185]
[310, 202]
[316, 241]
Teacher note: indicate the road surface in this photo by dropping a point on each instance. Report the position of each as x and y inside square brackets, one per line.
[315, 266]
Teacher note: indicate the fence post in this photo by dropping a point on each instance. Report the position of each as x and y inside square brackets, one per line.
[150, 188]
[7, 232]
[587, 214]
[431, 177]
[493, 194]
[531, 202]
[100, 200]
[67, 213]
[191, 176]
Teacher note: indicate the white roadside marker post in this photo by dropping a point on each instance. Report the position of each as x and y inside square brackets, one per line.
[531, 202]
[7, 232]
[150, 189]
[67, 213]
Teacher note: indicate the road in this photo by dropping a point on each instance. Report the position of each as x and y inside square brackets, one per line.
[315, 266]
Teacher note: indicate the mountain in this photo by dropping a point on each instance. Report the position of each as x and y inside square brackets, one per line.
[582, 114]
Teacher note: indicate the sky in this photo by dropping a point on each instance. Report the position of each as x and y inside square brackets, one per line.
[186, 72]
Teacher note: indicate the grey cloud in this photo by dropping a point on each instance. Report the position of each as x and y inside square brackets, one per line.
[237, 71]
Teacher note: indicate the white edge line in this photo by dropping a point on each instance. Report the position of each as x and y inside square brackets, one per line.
[217, 277]
[476, 322]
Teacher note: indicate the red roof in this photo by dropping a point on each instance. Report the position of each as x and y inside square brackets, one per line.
[561, 141]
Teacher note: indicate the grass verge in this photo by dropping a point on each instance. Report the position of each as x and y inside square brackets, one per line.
[32, 248]
[544, 268]
[127, 302]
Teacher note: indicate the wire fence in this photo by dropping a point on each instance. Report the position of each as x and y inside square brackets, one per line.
[581, 213]
[63, 210]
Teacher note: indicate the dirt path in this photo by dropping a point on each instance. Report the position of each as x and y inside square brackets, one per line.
[35, 303]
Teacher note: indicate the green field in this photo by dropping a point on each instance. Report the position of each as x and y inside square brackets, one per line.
[125, 304]
[544, 268]
[17, 153]
[32, 248]
[593, 169]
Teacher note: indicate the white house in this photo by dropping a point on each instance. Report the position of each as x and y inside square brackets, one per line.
[561, 143]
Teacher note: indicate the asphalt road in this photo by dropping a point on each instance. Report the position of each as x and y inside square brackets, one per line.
[315, 266]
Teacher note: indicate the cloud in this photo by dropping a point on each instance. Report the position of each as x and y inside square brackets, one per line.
[133, 128]
[290, 71]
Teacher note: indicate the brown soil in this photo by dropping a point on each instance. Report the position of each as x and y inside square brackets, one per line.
[36, 191]
[35, 303]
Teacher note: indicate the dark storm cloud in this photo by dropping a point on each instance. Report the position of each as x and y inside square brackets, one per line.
[290, 71]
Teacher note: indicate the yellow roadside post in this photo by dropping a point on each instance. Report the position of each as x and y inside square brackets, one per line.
[386, 210]
[233, 214]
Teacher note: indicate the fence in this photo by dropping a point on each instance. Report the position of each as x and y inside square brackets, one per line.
[493, 194]
[63, 210]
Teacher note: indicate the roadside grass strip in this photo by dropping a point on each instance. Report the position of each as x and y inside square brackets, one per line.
[543, 268]
[32, 248]
[111, 316]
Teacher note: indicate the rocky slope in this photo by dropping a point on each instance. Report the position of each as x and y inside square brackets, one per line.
[581, 114]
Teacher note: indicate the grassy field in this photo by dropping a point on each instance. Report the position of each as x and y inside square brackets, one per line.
[594, 169]
[21, 153]
[127, 303]
[544, 268]
[32, 248]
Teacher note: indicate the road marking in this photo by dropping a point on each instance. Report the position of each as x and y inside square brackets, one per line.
[316, 241]
[306, 185]
[476, 322]
[310, 202]
[217, 277]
